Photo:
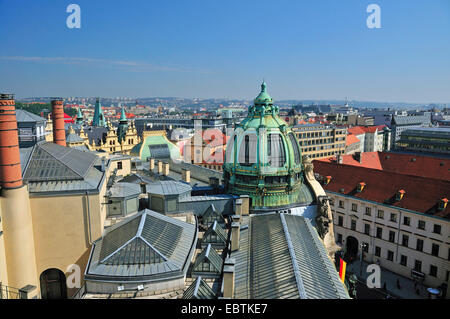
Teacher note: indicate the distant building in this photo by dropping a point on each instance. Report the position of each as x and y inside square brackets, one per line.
[399, 123]
[373, 138]
[426, 139]
[319, 141]
[31, 128]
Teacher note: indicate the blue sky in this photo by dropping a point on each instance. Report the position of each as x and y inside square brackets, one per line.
[303, 49]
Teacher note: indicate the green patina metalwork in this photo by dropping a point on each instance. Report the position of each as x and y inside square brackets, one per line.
[265, 159]
[123, 126]
[99, 117]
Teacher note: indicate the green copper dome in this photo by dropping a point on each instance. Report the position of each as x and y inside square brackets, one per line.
[263, 159]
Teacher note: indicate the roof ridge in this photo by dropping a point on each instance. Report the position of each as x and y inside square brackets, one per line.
[59, 161]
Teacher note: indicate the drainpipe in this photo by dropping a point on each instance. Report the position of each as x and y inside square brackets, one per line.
[89, 219]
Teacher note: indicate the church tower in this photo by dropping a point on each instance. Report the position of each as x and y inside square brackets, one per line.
[99, 118]
[123, 126]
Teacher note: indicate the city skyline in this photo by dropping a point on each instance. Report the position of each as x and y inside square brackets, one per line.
[320, 51]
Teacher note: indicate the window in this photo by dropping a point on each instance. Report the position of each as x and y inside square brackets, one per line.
[340, 221]
[406, 221]
[275, 150]
[380, 214]
[405, 240]
[393, 217]
[353, 225]
[377, 251]
[435, 250]
[391, 236]
[379, 232]
[403, 260]
[368, 211]
[119, 165]
[354, 208]
[421, 225]
[390, 255]
[341, 204]
[433, 271]
[437, 229]
[331, 202]
[367, 229]
[366, 247]
[417, 265]
[339, 238]
[419, 245]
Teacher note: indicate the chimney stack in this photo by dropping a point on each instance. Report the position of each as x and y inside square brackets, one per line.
[160, 167]
[245, 210]
[10, 169]
[59, 133]
[166, 169]
[152, 164]
[235, 234]
[228, 278]
[186, 175]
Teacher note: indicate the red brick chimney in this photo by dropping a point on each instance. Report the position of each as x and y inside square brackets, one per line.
[10, 170]
[59, 133]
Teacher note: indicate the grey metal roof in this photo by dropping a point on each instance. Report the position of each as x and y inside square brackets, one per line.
[123, 190]
[412, 119]
[211, 215]
[145, 247]
[51, 168]
[214, 235]
[25, 116]
[168, 188]
[209, 257]
[73, 138]
[281, 256]
[199, 290]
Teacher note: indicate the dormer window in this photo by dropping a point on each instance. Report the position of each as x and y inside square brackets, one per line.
[400, 194]
[360, 187]
[327, 180]
[442, 203]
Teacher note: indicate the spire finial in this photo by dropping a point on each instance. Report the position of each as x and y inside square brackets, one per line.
[263, 86]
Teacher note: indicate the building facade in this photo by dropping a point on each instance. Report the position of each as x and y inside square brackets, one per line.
[427, 140]
[399, 221]
[319, 141]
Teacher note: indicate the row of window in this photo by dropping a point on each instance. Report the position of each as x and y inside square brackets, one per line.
[392, 217]
[390, 256]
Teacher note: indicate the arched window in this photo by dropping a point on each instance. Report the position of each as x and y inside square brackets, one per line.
[53, 284]
[276, 154]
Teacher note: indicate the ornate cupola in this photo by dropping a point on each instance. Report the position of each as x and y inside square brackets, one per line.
[263, 159]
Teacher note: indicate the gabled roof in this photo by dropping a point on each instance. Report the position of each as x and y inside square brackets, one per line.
[210, 256]
[211, 215]
[214, 235]
[351, 139]
[281, 256]
[422, 194]
[145, 246]
[199, 290]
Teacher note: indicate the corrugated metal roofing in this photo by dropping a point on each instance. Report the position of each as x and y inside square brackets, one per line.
[281, 256]
[25, 116]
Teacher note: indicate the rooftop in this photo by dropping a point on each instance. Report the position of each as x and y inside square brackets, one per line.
[422, 193]
[281, 256]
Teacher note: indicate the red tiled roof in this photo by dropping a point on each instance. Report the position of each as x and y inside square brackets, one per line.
[421, 194]
[351, 139]
[357, 130]
[425, 166]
